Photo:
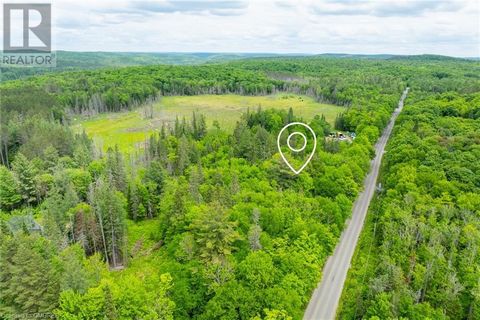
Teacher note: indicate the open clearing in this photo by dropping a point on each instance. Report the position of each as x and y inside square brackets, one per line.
[130, 129]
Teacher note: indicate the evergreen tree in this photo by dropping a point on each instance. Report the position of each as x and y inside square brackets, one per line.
[136, 209]
[290, 116]
[151, 187]
[29, 282]
[163, 131]
[177, 129]
[83, 152]
[183, 159]
[156, 174]
[214, 233]
[52, 232]
[194, 126]
[243, 140]
[25, 173]
[9, 194]
[50, 156]
[263, 145]
[162, 152]
[185, 129]
[110, 308]
[202, 127]
[56, 207]
[340, 121]
[196, 179]
[199, 126]
[74, 275]
[148, 199]
[151, 152]
[115, 169]
[4, 230]
[176, 216]
[82, 156]
[109, 205]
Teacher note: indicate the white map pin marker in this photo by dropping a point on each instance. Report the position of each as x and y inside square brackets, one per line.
[297, 149]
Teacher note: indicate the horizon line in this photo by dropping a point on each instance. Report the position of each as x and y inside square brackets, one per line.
[271, 53]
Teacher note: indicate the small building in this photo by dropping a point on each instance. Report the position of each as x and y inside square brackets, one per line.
[18, 223]
[35, 227]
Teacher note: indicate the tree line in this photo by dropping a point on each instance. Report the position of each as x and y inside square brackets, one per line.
[419, 255]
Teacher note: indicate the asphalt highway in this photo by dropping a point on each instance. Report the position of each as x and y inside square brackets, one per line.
[324, 301]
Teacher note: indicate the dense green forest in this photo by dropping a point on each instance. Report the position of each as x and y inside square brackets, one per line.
[419, 256]
[210, 224]
[71, 60]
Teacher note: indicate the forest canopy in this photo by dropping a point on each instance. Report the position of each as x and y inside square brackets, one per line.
[209, 223]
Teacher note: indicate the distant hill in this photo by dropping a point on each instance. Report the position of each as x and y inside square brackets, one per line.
[70, 60]
[358, 56]
[427, 57]
[101, 59]
[420, 57]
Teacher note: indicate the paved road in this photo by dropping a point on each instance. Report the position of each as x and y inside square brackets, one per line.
[324, 302]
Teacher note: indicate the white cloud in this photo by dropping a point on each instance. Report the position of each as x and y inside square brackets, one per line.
[384, 8]
[399, 26]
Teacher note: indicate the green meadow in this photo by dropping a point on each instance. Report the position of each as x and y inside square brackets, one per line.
[131, 129]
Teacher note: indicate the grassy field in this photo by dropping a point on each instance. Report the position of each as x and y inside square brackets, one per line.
[130, 129]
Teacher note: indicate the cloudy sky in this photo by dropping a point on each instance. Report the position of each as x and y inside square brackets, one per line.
[283, 26]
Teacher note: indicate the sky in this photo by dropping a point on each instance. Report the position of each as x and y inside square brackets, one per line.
[282, 26]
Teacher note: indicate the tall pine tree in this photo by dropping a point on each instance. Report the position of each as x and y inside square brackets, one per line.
[29, 282]
[109, 205]
[25, 174]
[116, 169]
